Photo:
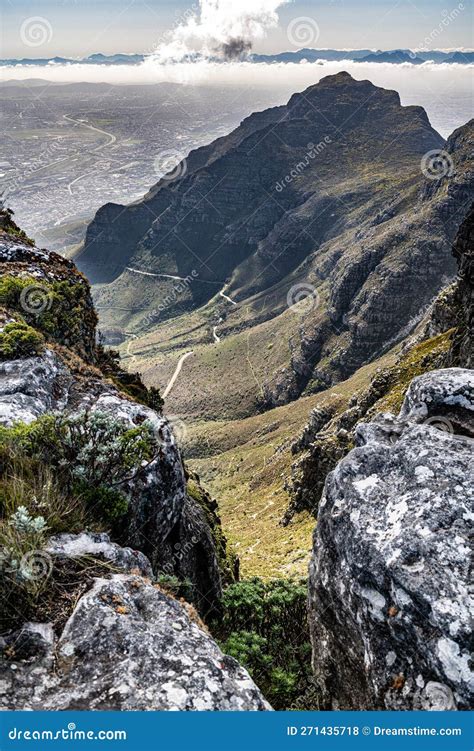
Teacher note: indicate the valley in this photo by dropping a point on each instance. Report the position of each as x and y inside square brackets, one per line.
[252, 306]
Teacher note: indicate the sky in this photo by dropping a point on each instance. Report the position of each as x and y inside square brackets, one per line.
[77, 28]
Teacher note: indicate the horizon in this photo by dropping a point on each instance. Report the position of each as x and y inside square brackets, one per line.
[79, 29]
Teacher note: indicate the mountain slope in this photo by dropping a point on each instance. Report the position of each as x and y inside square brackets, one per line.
[343, 196]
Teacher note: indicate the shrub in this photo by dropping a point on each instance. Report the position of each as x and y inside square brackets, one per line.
[59, 309]
[28, 483]
[110, 504]
[176, 587]
[20, 340]
[94, 455]
[264, 626]
[25, 567]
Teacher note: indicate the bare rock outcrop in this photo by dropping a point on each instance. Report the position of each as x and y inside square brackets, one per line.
[126, 646]
[389, 578]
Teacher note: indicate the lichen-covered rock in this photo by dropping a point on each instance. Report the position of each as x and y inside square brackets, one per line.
[31, 387]
[98, 545]
[444, 398]
[389, 578]
[463, 250]
[126, 646]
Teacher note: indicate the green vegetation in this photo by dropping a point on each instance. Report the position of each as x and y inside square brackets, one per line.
[428, 355]
[17, 339]
[179, 588]
[60, 474]
[61, 310]
[264, 627]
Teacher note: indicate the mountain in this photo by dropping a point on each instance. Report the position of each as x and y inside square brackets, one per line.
[329, 197]
[462, 58]
[95, 59]
[80, 610]
[396, 57]
[308, 54]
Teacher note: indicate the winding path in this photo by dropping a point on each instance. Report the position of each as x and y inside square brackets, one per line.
[111, 136]
[176, 373]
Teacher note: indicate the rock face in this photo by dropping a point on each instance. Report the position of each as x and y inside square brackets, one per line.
[327, 436]
[463, 346]
[389, 578]
[127, 645]
[163, 522]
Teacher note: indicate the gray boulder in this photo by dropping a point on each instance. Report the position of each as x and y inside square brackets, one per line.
[98, 545]
[390, 609]
[127, 645]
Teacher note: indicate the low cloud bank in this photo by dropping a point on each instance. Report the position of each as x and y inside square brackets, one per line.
[443, 89]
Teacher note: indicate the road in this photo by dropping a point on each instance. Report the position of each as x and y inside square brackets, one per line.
[111, 136]
[226, 297]
[148, 273]
[176, 373]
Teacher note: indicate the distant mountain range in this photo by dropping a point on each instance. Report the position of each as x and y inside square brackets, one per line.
[416, 57]
[333, 193]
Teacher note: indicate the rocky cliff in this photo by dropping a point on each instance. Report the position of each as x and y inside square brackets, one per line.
[389, 579]
[100, 522]
[444, 337]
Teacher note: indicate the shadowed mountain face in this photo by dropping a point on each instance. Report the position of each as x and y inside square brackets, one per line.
[338, 191]
[251, 193]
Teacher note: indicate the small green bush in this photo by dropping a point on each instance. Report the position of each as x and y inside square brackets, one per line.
[93, 455]
[108, 503]
[20, 340]
[264, 626]
[176, 587]
[61, 310]
[25, 567]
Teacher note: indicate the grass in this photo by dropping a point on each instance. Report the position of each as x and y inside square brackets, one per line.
[245, 464]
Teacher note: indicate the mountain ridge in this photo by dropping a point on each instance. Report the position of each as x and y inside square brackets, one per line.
[359, 219]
